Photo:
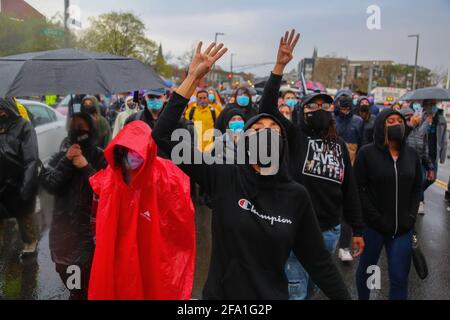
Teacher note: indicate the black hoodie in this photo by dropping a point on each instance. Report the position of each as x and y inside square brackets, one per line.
[389, 190]
[333, 190]
[19, 162]
[71, 240]
[257, 220]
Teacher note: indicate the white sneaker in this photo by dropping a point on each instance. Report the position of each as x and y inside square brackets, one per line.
[421, 208]
[345, 255]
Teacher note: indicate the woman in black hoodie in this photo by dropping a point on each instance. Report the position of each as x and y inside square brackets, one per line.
[389, 178]
[258, 217]
[319, 160]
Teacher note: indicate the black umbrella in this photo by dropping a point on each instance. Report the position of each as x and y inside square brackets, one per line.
[431, 93]
[67, 71]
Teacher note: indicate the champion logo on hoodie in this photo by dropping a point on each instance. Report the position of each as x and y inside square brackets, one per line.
[248, 206]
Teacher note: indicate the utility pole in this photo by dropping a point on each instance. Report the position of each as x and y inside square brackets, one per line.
[369, 87]
[415, 64]
[66, 27]
[448, 78]
[231, 69]
[215, 41]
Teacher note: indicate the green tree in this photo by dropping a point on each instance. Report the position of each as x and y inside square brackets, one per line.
[120, 34]
[20, 36]
[160, 65]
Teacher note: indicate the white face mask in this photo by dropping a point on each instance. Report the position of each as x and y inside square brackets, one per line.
[134, 160]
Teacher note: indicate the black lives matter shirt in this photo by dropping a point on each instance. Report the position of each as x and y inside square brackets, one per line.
[323, 168]
[256, 222]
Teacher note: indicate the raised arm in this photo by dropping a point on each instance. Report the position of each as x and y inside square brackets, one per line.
[168, 121]
[269, 99]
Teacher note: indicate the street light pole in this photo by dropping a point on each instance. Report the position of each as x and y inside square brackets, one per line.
[215, 41]
[415, 64]
[66, 27]
[231, 69]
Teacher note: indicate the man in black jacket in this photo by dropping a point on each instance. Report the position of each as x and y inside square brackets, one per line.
[365, 113]
[71, 239]
[19, 164]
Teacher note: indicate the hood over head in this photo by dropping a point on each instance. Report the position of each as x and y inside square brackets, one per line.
[94, 101]
[10, 107]
[343, 92]
[379, 133]
[231, 113]
[93, 129]
[134, 136]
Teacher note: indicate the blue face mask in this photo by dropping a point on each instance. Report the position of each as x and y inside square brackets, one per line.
[211, 97]
[434, 109]
[237, 126]
[134, 160]
[243, 100]
[291, 102]
[355, 102]
[417, 107]
[155, 105]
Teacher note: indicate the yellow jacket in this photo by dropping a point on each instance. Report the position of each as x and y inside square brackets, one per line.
[204, 119]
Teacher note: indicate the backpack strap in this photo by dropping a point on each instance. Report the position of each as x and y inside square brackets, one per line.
[191, 113]
[213, 114]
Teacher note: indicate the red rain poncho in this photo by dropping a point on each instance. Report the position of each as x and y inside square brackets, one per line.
[145, 231]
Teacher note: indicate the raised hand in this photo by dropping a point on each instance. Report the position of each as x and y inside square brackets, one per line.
[285, 51]
[287, 46]
[202, 62]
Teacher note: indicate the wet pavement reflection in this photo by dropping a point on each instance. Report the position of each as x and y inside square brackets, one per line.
[36, 278]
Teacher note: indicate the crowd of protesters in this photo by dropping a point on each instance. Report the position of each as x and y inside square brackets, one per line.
[347, 176]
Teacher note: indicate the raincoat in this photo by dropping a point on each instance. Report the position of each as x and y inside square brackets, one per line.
[145, 231]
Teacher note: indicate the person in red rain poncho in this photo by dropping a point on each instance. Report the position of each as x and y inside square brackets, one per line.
[145, 228]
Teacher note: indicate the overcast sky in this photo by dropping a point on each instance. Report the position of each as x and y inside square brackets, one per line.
[253, 27]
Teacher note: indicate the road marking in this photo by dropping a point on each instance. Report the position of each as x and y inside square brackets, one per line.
[441, 184]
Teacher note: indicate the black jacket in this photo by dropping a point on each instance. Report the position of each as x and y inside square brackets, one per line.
[368, 130]
[333, 191]
[389, 190]
[71, 239]
[19, 163]
[256, 222]
[250, 111]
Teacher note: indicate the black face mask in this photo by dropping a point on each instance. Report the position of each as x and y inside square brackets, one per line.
[396, 133]
[364, 108]
[81, 137]
[318, 120]
[90, 110]
[268, 137]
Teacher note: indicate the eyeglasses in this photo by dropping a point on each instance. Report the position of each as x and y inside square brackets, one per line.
[317, 106]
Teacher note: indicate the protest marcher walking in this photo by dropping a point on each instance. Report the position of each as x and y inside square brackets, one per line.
[389, 177]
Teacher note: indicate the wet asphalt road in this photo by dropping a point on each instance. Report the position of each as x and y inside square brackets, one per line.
[37, 279]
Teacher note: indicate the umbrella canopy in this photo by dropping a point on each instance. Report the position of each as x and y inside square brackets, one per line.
[68, 71]
[431, 93]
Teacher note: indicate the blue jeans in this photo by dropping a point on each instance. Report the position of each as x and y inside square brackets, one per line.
[301, 286]
[398, 252]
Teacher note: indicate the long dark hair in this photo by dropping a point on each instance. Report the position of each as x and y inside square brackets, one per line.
[329, 137]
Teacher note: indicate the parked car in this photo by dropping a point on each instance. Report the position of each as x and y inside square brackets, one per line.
[50, 127]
